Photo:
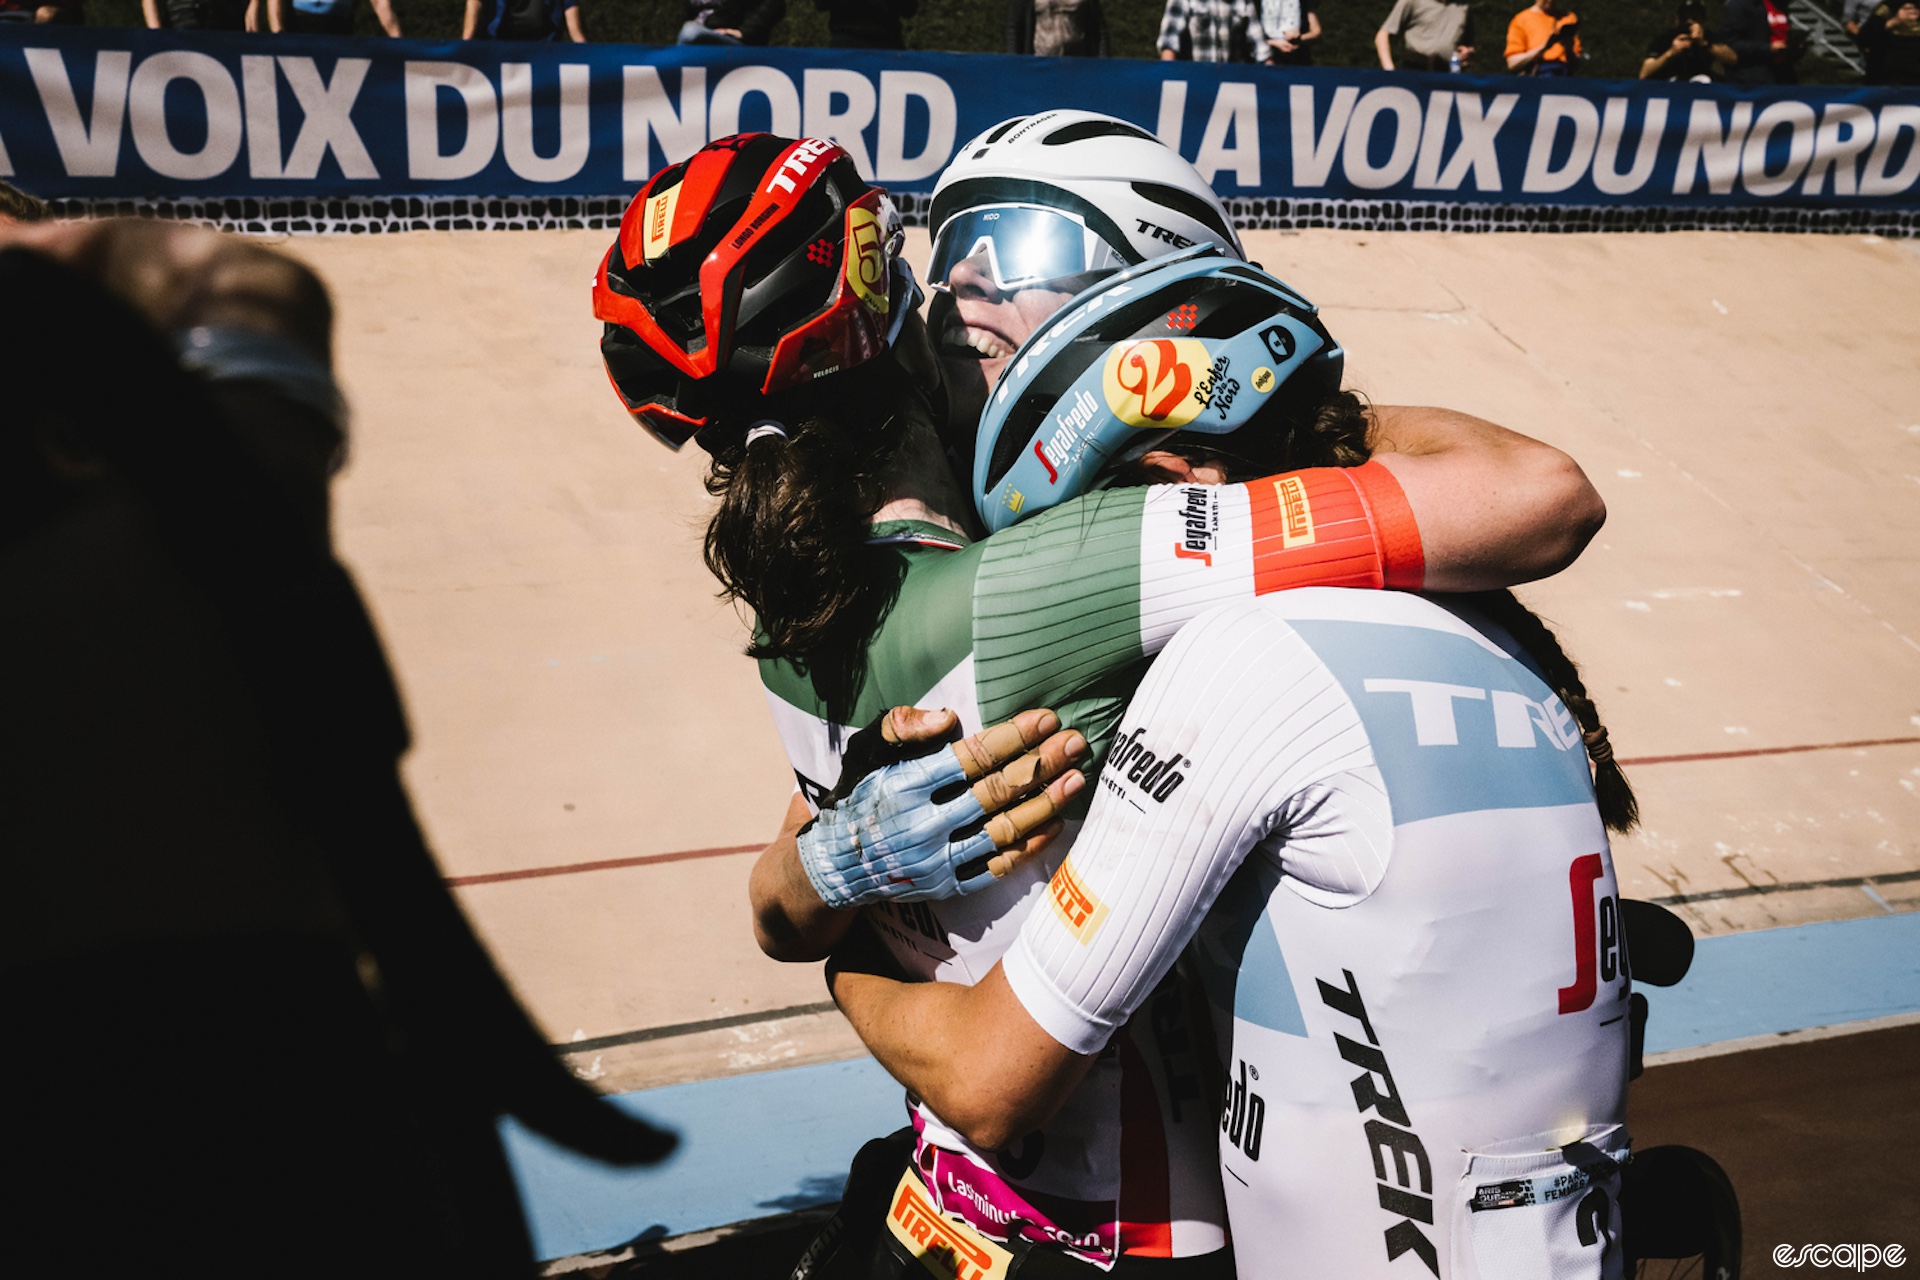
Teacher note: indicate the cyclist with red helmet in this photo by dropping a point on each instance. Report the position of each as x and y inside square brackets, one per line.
[756, 304]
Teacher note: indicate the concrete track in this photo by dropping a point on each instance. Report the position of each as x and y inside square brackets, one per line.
[1749, 405]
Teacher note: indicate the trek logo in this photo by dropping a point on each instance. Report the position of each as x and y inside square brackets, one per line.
[1133, 762]
[759, 220]
[1216, 388]
[1599, 947]
[1057, 452]
[1078, 909]
[1243, 1116]
[1515, 715]
[798, 161]
[1279, 340]
[1392, 1130]
[1163, 234]
[950, 1250]
[1197, 515]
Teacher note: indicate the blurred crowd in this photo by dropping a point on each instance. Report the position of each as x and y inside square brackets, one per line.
[1759, 41]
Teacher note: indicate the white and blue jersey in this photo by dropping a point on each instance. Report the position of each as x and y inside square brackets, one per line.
[1376, 825]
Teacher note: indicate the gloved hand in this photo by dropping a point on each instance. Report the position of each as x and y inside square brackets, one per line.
[907, 828]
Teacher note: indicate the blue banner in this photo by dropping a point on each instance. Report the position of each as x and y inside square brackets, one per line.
[110, 113]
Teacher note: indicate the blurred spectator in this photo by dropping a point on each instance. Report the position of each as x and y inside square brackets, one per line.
[866, 24]
[1891, 38]
[1686, 50]
[1057, 28]
[279, 1037]
[1290, 47]
[326, 17]
[202, 15]
[24, 11]
[1854, 13]
[1765, 45]
[1542, 41]
[731, 21]
[1433, 33]
[548, 20]
[1212, 31]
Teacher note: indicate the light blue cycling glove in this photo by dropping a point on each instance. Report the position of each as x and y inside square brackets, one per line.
[888, 841]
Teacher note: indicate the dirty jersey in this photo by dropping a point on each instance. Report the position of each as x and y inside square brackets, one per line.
[1064, 611]
[1376, 825]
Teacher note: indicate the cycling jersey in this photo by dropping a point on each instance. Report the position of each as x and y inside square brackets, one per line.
[1064, 610]
[1411, 936]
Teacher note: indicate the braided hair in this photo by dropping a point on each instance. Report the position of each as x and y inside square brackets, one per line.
[1618, 807]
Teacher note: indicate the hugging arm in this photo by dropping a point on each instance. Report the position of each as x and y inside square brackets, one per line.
[1494, 508]
[996, 1060]
[904, 825]
[974, 1054]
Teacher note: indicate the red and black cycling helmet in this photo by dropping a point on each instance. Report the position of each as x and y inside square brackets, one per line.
[757, 265]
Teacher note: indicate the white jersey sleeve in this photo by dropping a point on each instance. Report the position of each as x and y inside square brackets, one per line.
[1238, 737]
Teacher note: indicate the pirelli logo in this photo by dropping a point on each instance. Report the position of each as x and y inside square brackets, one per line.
[1077, 908]
[947, 1249]
[1296, 513]
[658, 234]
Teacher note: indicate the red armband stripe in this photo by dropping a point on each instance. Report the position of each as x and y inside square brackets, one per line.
[1311, 529]
[1334, 527]
[1403, 559]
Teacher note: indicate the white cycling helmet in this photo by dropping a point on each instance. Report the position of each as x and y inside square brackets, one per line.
[1064, 193]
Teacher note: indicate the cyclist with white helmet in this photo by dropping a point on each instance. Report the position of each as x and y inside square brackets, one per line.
[1032, 211]
[755, 304]
[1373, 814]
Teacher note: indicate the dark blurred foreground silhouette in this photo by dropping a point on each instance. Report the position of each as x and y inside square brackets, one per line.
[251, 1031]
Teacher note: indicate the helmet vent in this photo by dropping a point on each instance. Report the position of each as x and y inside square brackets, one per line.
[1081, 130]
[1191, 205]
[1002, 130]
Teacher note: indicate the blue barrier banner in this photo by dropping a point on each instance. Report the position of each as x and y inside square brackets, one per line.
[108, 113]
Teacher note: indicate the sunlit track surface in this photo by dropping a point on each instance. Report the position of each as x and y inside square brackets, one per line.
[1749, 410]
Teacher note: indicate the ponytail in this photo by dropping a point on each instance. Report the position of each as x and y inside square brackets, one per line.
[1614, 794]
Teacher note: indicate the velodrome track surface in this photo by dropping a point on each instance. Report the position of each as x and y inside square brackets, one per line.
[595, 765]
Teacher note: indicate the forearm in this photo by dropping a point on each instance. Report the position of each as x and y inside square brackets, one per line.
[1516, 61]
[970, 1053]
[1494, 507]
[1383, 45]
[790, 922]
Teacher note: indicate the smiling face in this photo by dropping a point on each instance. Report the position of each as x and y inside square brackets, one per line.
[983, 327]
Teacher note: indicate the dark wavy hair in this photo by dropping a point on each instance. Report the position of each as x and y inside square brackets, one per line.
[789, 537]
